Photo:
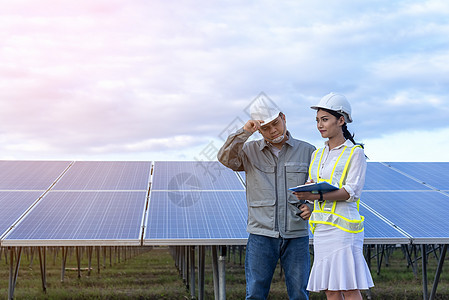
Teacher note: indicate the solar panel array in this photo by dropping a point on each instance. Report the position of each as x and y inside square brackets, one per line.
[50, 203]
[412, 198]
[91, 203]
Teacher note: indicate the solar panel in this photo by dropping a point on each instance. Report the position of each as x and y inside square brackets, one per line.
[95, 218]
[30, 175]
[106, 175]
[196, 216]
[435, 174]
[194, 175]
[379, 231]
[421, 214]
[381, 177]
[13, 204]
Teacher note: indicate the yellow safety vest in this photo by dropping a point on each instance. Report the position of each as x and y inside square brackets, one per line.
[327, 212]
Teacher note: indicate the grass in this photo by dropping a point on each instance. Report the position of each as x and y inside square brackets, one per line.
[150, 273]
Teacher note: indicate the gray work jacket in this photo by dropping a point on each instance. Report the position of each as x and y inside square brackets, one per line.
[267, 181]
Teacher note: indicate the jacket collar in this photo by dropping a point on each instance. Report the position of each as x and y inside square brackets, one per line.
[346, 143]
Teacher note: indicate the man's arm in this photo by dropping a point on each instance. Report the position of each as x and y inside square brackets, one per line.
[231, 153]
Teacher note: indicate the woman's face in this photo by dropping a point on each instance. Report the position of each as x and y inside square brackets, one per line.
[328, 125]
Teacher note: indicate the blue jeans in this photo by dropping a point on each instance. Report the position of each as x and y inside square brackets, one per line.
[262, 255]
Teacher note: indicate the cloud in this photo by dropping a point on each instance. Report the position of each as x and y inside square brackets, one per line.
[414, 145]
[103, 77]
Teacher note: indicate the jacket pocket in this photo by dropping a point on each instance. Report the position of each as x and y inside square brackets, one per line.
[263, 189]
[296, 174]
[262, 214]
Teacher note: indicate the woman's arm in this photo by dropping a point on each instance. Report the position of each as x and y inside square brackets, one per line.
[338, 195]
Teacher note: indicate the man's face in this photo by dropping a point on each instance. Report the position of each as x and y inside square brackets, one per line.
[273, 129]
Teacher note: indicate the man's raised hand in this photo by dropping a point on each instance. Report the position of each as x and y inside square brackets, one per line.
[252, 125]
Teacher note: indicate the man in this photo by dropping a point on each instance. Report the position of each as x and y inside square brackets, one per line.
[277, 223]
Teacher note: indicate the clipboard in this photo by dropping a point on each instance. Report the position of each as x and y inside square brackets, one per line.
[322, 187]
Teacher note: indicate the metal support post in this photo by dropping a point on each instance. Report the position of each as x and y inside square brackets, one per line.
[78, 260]
[215, 272]
[438, 272]
[64, 260]
[98, 259]
[192, 271]
[43, 265]
[424, 270]
[222, 273]
[89, 258]
[13, 271]
[201, 263]
[183, 266]
[104, 257]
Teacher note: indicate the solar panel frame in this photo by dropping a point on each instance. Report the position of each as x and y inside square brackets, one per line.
[191, 221]
[56, 199]
[56, 221]
[185, 187]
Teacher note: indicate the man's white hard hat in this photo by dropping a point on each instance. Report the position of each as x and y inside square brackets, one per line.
[263, 109]
[336, 102]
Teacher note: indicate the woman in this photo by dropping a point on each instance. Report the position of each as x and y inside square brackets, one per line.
[339, 267]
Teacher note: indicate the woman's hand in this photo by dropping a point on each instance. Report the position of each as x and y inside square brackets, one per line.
[304, 195]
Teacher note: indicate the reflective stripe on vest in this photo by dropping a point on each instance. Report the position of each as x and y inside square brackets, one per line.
[324, 212]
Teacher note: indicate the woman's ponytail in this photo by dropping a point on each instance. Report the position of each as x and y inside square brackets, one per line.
[349, 136]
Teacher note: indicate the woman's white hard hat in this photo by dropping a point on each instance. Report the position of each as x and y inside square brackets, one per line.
[336, 102]
[263, 109]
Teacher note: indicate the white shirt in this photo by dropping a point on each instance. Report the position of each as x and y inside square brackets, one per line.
[355, 178]
[275, 150]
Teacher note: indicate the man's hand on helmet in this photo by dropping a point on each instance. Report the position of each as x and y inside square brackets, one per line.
[252, 125]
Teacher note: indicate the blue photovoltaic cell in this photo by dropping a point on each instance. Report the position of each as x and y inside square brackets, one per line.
[12, 205]
[196, 215]
[84, 216]
[106, 175]
[420, 214]
[194, 175]
[30, 175]
[377, 229]
[380, 177]
[435, 174]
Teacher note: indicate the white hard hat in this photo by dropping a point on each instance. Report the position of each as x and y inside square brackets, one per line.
[336, 102]
[263, 109]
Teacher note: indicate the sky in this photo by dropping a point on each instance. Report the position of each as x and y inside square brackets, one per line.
[169, 80]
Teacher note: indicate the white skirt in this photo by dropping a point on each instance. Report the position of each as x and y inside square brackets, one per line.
[338, 263]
